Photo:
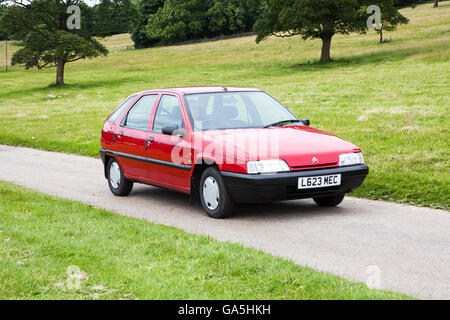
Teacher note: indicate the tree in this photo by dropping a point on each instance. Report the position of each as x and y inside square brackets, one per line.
[436, 4]
[316, 19]
[390, 16]
[49, 43]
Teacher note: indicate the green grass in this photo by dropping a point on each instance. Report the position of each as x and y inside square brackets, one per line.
[125, 258]
[392, 100]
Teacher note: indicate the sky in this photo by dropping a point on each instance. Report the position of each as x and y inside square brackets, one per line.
[88, 2]
[91, 2]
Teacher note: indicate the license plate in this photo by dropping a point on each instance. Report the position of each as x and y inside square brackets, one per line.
[319, 181]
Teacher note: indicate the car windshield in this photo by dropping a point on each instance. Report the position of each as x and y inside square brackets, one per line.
[235, 110]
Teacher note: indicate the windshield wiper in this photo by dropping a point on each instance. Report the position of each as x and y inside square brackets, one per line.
[279, 123]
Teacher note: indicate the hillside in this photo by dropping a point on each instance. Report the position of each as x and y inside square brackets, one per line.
[391, 100]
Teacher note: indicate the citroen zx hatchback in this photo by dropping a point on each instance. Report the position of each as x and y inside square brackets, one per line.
[223, 146]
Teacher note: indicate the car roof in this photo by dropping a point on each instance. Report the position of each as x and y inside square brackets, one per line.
[193, 90]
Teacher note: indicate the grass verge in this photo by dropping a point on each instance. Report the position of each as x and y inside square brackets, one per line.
[124, 258]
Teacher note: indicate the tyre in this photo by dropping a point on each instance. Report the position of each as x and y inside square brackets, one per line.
[118, 184]
[214, 196]
[330, 201]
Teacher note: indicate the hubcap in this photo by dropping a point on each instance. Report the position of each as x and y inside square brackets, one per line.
[211, 193]
[114, 175]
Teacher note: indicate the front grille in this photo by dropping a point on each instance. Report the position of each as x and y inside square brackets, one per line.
[317, 166]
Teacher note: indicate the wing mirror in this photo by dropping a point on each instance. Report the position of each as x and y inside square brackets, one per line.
[306, 122]
[174, 131]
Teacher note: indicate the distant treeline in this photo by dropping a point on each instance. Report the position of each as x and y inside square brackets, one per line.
[171, 21]
[111, 17]
[153, 22]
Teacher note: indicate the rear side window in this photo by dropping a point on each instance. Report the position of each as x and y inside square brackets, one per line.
[121, 109]
[139, 116]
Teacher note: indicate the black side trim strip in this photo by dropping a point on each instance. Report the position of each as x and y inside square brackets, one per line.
[148, 160]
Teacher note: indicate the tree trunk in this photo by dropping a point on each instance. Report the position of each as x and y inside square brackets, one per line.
[326, 46]
[381, 35]
[60, 72]
[436, 3]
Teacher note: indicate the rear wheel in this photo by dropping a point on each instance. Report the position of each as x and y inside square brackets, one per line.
[214, 196]
[330, 201]
[118, 184]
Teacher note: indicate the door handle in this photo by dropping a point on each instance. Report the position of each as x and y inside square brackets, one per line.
[120, 134]
[148, 141]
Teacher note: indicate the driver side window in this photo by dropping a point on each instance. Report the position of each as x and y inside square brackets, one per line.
[168, 114]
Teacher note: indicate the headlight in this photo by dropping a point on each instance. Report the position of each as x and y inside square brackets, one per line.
[350, 159]
[267, 166]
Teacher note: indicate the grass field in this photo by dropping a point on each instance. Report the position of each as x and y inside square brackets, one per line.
[392, 100]
[124, 258]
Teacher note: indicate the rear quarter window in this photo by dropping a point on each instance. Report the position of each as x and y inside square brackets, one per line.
[116, 114]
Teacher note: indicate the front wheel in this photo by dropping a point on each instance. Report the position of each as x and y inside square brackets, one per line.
[118, 184]
[214, 196]
[331, 201]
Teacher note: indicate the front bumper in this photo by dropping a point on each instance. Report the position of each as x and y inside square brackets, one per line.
[284, 186]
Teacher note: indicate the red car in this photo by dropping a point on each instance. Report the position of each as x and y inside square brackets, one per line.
[224, 145]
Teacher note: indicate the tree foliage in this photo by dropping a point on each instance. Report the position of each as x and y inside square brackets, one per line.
[406, 3]
[233, 16]
[173, 21]
[48, 42]
[138, 30]
[178, 20]
[3, 34]
[111, 17]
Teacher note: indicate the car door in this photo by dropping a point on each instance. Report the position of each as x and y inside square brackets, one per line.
[171, 152]
[132, 137]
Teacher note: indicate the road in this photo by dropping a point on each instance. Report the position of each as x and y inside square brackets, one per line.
[410, 246]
